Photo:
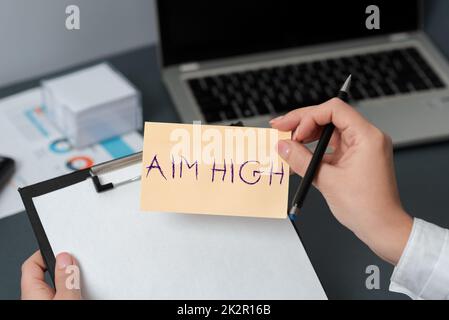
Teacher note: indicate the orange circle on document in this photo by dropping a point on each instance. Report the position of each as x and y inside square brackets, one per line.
[79, 163]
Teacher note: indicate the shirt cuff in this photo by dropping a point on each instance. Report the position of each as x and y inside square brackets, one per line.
[423, 269]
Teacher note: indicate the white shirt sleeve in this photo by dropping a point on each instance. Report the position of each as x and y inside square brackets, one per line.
[423, 270]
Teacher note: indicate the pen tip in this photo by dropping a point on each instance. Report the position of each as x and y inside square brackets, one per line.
[347, 85]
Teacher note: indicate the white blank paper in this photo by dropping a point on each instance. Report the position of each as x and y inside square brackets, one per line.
[127, 254]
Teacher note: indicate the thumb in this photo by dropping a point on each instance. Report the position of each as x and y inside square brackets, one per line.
[67, 278]
[298, 158]
[296, 155]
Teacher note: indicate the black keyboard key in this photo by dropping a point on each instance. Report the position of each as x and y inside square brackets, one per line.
[265, 101]
[437, 83]
[292, 83]
[403, 87]
[346, 62]
[270, 93]
[290, 70]
[357, 60]
[307, 100]
[420, 85]
[196, 87]
[435, 80]
[330, 65]
[356, 94]
[224, 101]
[255, 95]
[298, 97]
[215, 91]
[413, 52]
[285, 90]
[239, 97]
[317, 66]
[246, 87]
[340, 76]
[234, 79]
[370, 91]
[244, 109]
[224, 79]
[278, 105]
[386, 89]
[278, 83]
[206, 81]
[261, 108]
[208, 103]
[218, 83]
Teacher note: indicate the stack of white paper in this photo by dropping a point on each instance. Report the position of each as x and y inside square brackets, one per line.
[92, 105]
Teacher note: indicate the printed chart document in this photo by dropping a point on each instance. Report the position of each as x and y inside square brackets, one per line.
[220, 170]
[40, 151]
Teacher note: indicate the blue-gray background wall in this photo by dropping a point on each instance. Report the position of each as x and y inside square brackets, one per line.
[34, 40]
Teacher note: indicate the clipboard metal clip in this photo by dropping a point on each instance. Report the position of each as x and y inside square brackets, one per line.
[112, 165]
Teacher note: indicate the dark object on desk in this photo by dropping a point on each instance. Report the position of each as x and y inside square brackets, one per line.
[6, 170]
[318, 154]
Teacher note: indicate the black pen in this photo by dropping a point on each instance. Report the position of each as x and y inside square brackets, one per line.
[315, 162]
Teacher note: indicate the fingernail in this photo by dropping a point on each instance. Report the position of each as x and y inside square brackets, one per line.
[63, 260]
[276, 119]
[283, 149]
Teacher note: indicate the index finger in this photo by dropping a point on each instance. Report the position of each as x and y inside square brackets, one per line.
[333, 111]
[34, 267]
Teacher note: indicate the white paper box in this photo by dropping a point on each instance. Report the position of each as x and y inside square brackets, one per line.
[92, 104]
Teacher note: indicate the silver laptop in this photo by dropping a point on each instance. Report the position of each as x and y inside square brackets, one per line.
[229, 61]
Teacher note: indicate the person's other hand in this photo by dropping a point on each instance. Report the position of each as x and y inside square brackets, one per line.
[33, 282]
[357, 179]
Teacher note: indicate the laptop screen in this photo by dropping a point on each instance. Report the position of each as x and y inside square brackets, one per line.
[192, 31]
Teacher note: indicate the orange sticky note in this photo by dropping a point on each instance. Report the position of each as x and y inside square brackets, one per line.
[218, 170]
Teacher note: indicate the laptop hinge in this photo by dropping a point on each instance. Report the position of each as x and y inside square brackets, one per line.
[400, 36]
[189, 67]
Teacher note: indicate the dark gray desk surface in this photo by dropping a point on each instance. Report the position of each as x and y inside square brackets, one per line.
[338, 256]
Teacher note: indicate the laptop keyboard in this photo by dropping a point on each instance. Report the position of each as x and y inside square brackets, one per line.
[283, 88]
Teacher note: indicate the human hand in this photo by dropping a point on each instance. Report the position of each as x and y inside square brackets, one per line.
[357, 179]
[33, 282]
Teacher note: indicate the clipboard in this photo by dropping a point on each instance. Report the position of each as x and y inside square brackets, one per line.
[184, 256]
